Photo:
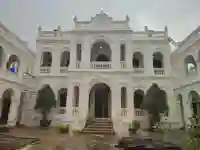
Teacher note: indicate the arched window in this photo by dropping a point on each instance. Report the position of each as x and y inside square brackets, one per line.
[123, 97]
[65, 59]
[76, 97]
[138, 98]
[190, 65]
[138, 61]
[194, 98]
[78, 52]
[46, 60]
[157, 60]
[100, 51]
[13, 63]
[62, 97]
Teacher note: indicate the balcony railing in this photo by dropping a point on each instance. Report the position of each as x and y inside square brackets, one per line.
[138, 70]
[100, 65]
[124, 112]
[45, 69]
[123, 64]
[63, 69]
[159, 71]
[139, 112]
[75, 111]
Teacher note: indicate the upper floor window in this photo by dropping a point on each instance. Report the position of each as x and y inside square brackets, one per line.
[190, 65]
[13, 63]
[138, 61]
[65, 59]
[78, 52]
[122, 52]
[46, 60]
[157, 60]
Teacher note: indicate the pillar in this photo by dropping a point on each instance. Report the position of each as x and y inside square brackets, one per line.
[86, 51]
[130, 104]
[115, 48]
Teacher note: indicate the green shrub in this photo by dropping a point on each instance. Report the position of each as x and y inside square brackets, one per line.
[135, 125]
[63, 128]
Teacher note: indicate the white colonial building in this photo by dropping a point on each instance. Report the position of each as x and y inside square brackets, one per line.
[99, 69]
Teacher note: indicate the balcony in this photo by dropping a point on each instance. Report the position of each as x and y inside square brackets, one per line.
[63, 69]
[138, 70]
[139, 113]
[123, 64]
[100, 65]
[45, 69]
[124, 112]
[159, 71]
[78, 64]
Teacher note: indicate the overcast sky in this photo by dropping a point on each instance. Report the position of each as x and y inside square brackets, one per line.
[23, 16]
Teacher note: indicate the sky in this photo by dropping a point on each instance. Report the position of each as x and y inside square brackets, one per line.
[24, 16]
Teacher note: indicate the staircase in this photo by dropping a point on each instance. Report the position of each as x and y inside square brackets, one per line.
[99, 126]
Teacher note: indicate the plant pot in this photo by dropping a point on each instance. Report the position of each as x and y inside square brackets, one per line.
[45, 123]
[64, 130]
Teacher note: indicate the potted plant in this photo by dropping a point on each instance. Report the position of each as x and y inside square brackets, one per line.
[133, 127]
[44, 103]
[63, 128]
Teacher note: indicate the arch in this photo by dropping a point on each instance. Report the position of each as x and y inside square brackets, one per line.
[46, 60]
[194, 99]
[65, 59]
[138, 98]
[6, 103]
[123, 97]
[100, 101]
[138, 60]
[157, 60]
[190, 65]
[13, 63]
[1, 55]
[100, 48]
[62, 97]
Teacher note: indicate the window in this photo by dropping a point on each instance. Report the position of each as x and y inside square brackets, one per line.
[122, 52]
[46, 59]
[63, 97]
[123, 97]
[78, 52]
[76, 97]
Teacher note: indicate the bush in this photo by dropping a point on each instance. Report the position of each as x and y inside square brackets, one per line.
[63, 128]
[135, 124]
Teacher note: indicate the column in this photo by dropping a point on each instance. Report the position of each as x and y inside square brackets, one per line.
[72, 64]
[130, 104]
[15, 101]
[86, 51]
[55, 68]
[70, 101]
[129, 55]
[148, 62]
[186, 107]
[115, 48]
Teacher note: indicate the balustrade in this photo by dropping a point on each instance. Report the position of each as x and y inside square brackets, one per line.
[45, 69]
[100, 65]
[159, 71]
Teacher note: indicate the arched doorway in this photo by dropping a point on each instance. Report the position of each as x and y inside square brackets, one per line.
[100, 51]
[6, 103]
[194, 99]
[100, 101]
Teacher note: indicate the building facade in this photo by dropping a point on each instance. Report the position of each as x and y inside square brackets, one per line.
[101, 68]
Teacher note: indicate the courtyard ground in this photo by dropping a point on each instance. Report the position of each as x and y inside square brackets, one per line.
[50, 138]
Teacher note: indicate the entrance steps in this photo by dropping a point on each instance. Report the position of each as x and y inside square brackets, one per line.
[99, 126]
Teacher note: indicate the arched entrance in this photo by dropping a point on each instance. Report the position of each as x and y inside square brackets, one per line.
[100, 101]
[194, 98]
[6, 103]
[100, 51]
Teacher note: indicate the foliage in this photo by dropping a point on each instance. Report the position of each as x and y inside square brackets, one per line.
[192, 141]
[155, 103]
[63, 128]
[45, 101]
[135, 125]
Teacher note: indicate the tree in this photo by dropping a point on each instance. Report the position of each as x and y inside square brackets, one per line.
[155, 103]
[44, 102]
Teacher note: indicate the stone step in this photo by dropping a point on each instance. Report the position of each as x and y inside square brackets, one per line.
[98, 129]
[98, 132]
[99, 126]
